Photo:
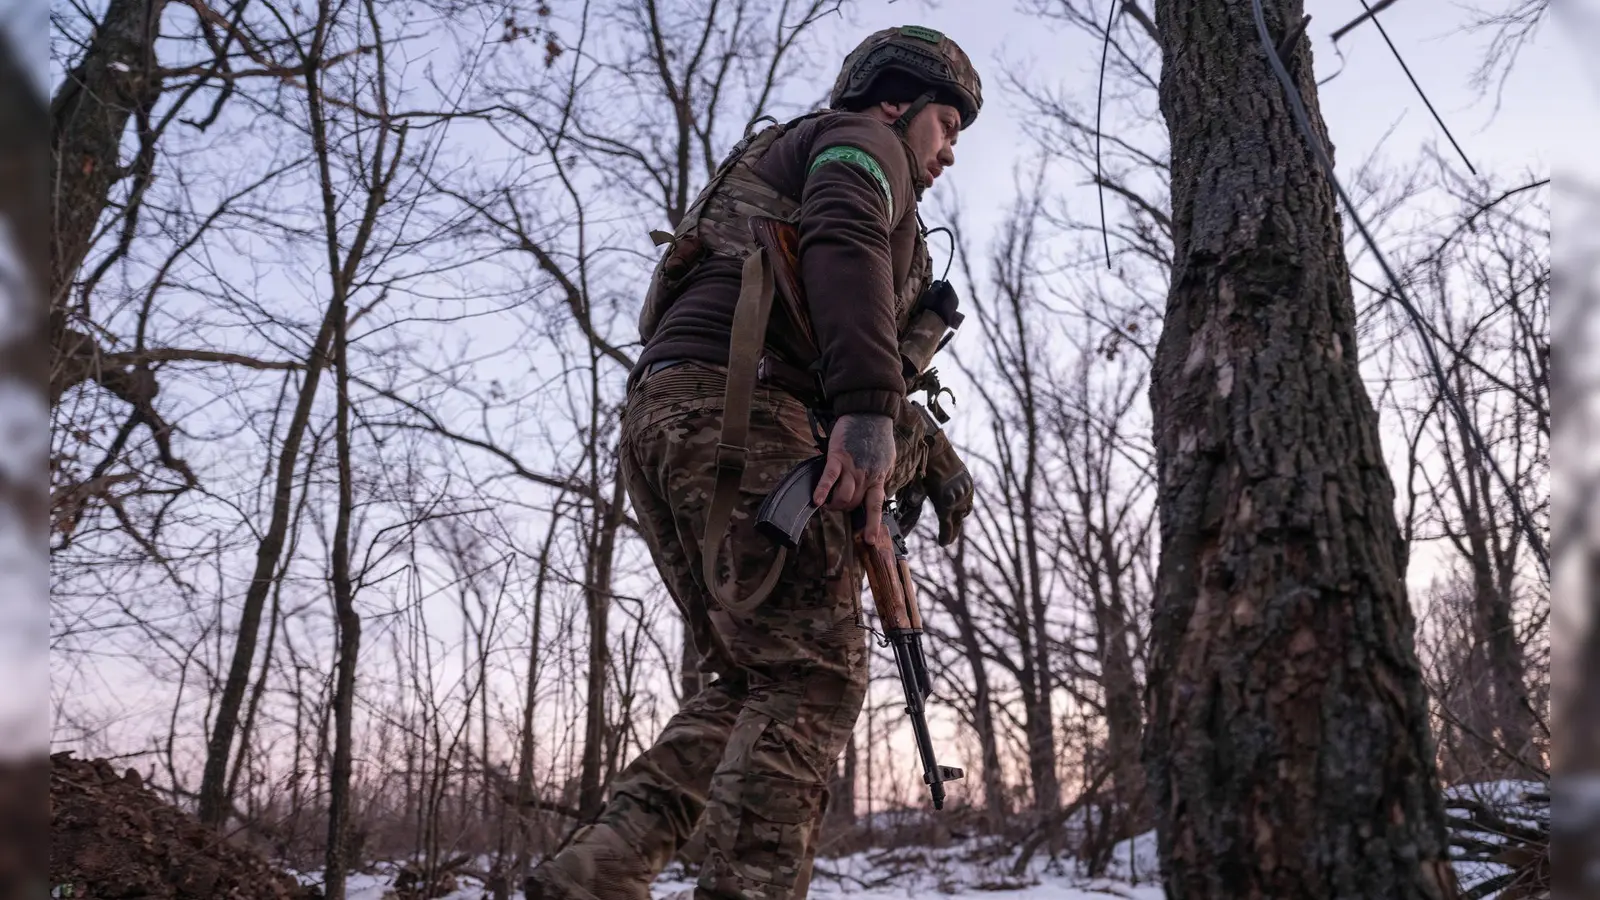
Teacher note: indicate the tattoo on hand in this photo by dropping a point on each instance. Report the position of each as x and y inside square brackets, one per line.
[868, 442]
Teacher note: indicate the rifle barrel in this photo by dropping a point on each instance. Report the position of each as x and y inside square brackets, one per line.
[907, 654]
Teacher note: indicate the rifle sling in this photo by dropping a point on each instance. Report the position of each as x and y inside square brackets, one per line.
[750, 317]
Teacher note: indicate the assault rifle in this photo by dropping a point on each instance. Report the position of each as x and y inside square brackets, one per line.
[783, 517]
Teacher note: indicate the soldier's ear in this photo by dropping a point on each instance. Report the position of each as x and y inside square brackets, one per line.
[893, 110]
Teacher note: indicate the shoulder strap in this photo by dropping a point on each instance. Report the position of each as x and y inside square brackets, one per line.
[749, 329]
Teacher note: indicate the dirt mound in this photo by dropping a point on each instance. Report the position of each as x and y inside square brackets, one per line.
[111, 837]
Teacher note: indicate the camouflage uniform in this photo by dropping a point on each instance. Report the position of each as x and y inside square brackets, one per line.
[752, 752]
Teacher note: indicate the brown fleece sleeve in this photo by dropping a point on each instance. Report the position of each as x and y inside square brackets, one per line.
[846, 265]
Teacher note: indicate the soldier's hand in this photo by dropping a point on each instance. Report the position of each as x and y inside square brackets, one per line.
[860, 458]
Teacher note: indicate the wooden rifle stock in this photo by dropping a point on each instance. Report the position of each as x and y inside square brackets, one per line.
[889, 576]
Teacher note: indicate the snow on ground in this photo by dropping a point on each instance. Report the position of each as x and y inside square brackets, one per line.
[362, 886]
[1136, 860]
[981, 867]
[1509, 800]
[966, 868]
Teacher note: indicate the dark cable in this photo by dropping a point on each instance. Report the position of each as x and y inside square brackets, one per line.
[1099, 104]
[948, 259]
[1372, 14]
[923, 228]
[1303, 120]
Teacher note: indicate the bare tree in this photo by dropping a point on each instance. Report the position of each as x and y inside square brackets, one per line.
[640, 123]
[952, 590]
[117, 78]
[1486, 292]
[382, 163]
[344, 266]
[1105, 503]
[1016, 545]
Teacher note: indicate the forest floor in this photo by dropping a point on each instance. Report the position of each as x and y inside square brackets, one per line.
[112, 837]
[853, 877]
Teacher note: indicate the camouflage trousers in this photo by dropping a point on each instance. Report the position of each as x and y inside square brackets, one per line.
[752, 752]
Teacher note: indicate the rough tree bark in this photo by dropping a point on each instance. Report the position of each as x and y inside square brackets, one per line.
[1288, 748]
[117, 79]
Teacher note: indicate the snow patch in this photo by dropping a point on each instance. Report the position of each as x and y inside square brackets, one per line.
[1136, 860]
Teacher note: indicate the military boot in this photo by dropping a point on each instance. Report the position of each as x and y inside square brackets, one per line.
[599, 864]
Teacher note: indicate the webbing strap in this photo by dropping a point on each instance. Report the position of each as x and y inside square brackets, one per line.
[744, 352]
[904, 122]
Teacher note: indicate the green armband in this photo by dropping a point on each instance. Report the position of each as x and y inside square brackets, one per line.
[859, 157]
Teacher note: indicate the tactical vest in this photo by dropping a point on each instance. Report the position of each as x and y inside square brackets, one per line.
[719, 224]
[716, 225]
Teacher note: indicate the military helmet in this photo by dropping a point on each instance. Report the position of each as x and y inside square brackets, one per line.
[922, 53]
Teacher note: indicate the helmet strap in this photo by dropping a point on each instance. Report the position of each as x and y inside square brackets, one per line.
[904, 122]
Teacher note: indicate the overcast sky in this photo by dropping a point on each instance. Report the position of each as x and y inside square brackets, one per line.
[1545, 118]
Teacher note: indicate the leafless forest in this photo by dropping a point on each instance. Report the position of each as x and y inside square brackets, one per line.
[341, 304]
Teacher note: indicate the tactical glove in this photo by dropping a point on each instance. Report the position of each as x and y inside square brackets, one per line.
[949, 485]
[908, 506]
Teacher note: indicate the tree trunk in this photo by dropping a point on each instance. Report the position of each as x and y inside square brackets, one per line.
[1287, 748]
[24, 517]
[1041, 721]
[117, 78]
[24, 366]
[957, 604]
[337, 862]
[1493, 571]
[213, 785]
[241, 758]
[524, 798]
[1120, 683]
[598, 595]
[1040, 709]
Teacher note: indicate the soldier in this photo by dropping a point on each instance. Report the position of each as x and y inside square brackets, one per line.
[715, 418]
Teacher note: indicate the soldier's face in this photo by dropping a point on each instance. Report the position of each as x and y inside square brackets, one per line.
[932, 136]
